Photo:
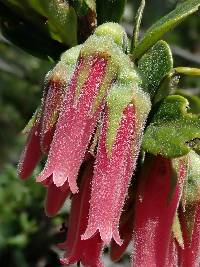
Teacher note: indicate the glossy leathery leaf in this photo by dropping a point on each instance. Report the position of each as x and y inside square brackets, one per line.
[109, 10]
[28, 36]
[61, 19]
[155, 65]
[62, 22]
[83, 6]
[173, 132]
[166, 23]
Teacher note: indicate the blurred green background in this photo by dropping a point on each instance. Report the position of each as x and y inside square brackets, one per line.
[27, 236]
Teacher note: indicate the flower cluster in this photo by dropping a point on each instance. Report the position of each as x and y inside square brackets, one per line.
[90, 124]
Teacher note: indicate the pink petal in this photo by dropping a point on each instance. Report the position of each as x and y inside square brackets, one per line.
[75, 126]
[31, 154]
[172, 256]
[111, 178]
[155, 211]
[125, 229]
[86, 251]
[55, 198]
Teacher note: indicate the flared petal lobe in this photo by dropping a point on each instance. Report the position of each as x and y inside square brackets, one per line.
[156, 205]
[125, 227]
[85, 251]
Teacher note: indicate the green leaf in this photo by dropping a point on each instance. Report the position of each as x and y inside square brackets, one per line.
[194, 101]
[166, 87]
[188, 71]
[62, 21]
[166, 23]
[108, 10]
[155, 65]
[27, 36]
[83, 6]
[172, 131]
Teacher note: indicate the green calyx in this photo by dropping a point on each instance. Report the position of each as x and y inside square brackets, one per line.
[115, 31]
[65, 67]
[126, 90]
[103, 45]
[172, 132]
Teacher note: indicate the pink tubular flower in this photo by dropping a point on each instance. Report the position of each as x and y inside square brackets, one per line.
[109, 182]
[124, 120]
[76, 250]
[76, 123]
[156, 205]
[42, 125]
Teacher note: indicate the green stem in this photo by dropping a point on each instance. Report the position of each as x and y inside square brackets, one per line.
[137, 22]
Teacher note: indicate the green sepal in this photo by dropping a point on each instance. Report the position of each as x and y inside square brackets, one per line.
[115, 31]
[172, 131]
[155, 65]
[32, 121]
[189, 216]
[166, 23]
[176, 230]
[193, 179]
[191, 194]
[109, 10]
